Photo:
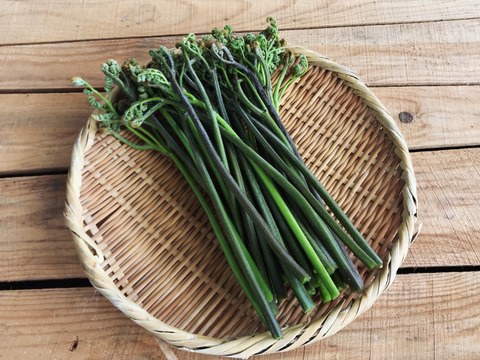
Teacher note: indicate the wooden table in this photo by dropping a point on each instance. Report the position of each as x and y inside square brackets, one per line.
[421, 58]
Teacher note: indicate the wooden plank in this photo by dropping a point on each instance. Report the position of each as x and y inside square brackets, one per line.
[436, 53]
[69, 324]
[35, 245]
[448, 183]
[422, 316]
[51, 66]
[426, 316]
[54, 20]
[441, 115]
[38, 130]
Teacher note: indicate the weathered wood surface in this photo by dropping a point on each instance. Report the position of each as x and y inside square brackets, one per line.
[448, 183]
[422, 316]
[38, 130]
[443, 116]
[36, 246]
[55, 20]
[427, 53]
[419, 57]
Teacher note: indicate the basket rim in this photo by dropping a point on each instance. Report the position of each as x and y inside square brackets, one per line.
[91, 256]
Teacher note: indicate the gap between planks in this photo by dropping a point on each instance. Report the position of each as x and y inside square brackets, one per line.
[85, 283]
[60, 90]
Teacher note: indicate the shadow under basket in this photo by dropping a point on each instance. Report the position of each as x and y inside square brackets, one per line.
[146, 244]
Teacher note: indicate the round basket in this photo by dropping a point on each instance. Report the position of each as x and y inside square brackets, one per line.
[146, 245]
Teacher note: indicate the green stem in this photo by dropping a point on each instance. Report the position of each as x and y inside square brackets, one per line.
[243, 200]
[303, 204]
[360, 247]
[220, 237]
[248, 267]
[296, 229]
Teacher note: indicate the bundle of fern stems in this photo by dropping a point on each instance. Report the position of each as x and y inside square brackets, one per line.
[210, 106]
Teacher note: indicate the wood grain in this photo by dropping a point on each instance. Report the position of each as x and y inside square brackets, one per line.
[51, 66]
[75, 323]
[442, 115]
[420, 57]
[422, 316]
[38, 130]
[37, 246]
[448, 183]
[436, 53]
[55, 20]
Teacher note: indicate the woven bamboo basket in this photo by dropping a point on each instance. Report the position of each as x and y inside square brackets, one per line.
[146, 244]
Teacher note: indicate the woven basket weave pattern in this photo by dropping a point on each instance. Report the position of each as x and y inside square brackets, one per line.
[147, 245]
